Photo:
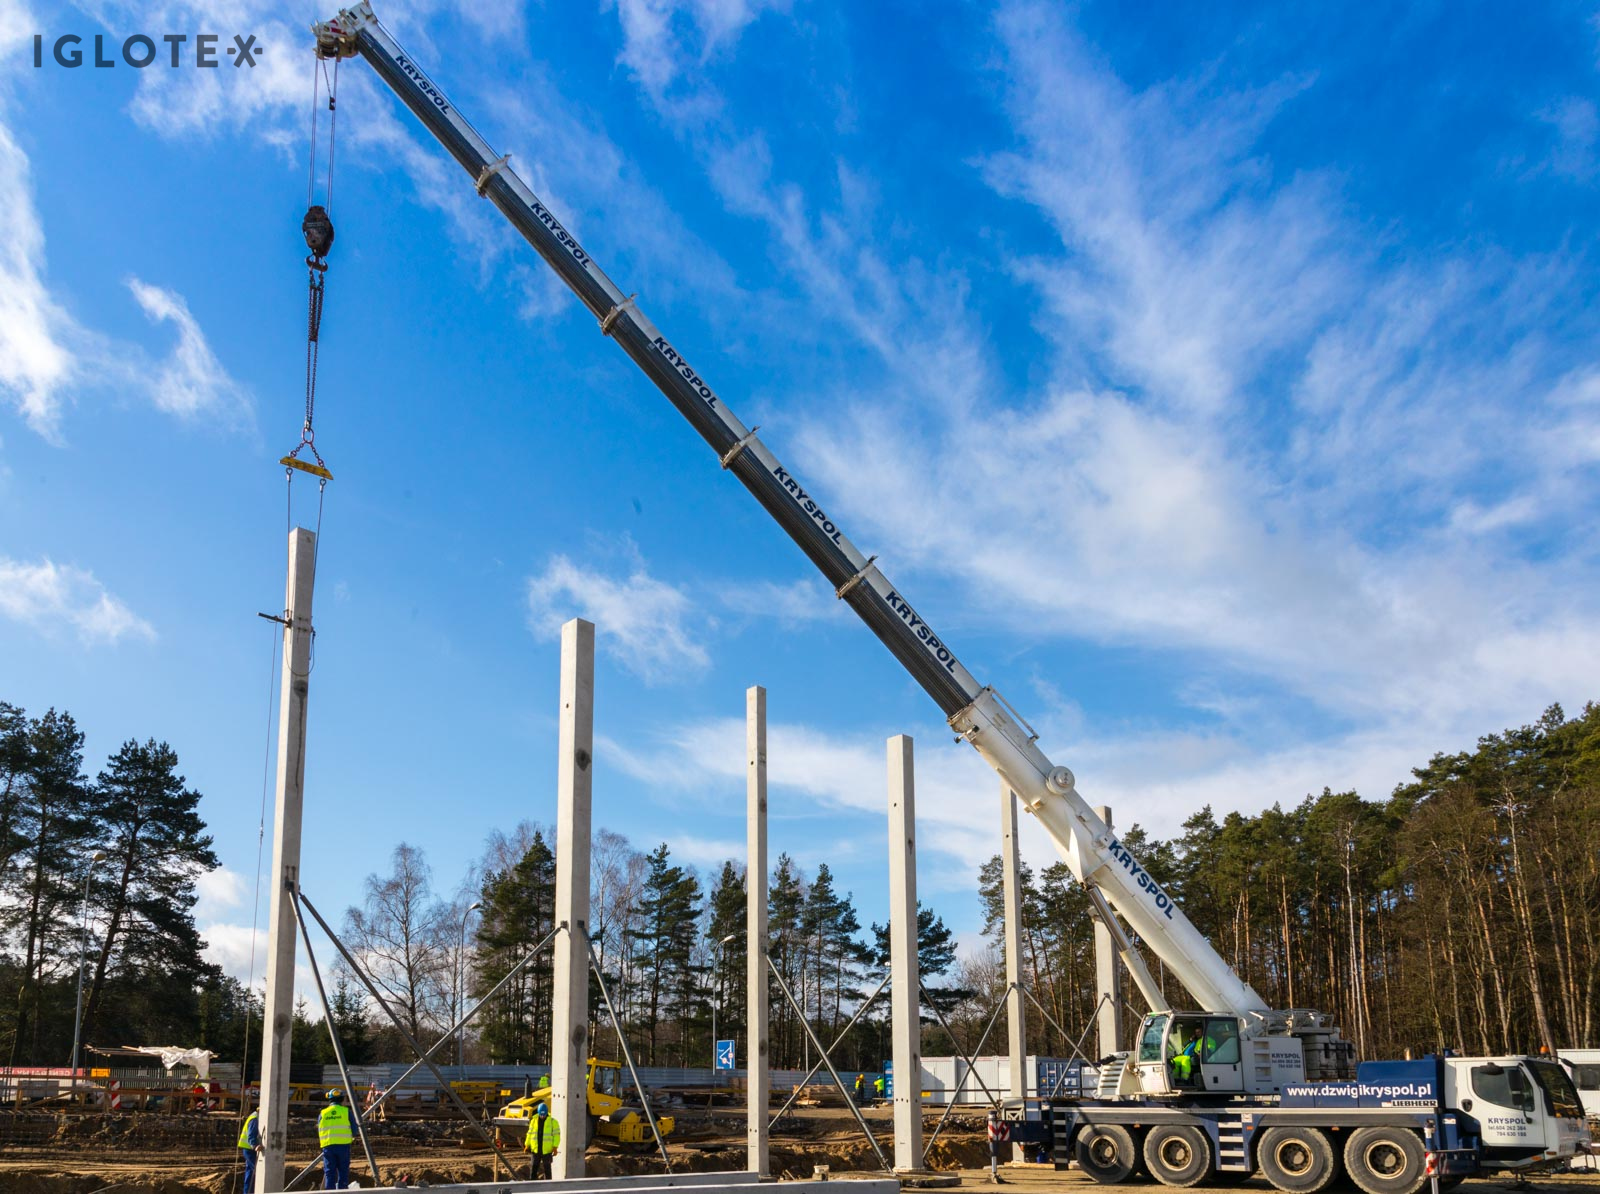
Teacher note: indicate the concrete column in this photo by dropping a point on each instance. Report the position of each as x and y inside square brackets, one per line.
[757, 1048]
[904, 986]
[1108, 977]
[282, 926]
[1016, 1021]
[569, 1033]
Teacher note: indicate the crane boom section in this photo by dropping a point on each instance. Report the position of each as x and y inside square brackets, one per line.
[976, 712]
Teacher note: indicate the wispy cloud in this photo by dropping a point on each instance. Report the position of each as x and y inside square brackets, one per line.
[644, 621]
[665, 43]
[36, 362]
[792, 603]
[191, 382]
[48, 359]
[51, 596]
[1574, 124]
[1247, 390]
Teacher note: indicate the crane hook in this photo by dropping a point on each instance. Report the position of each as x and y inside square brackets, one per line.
[318, 230]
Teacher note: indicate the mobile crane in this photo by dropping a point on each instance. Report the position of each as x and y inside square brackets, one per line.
[1257, 1088]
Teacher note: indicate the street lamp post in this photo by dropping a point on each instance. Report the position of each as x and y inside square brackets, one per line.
[83, 950]
[716, 991]
[461, 982]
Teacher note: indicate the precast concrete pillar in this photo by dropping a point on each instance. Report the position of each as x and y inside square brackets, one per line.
[904, 985]
[757, 1048]
[282, 927]
[569, 1035]
[1108, 978]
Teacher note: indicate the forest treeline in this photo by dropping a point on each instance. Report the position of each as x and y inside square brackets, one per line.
[1461, 911]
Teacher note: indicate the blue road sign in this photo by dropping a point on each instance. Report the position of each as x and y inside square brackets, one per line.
[724, 1055]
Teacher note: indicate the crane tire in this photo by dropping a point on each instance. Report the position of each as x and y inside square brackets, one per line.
[1177, 1154]
[1105, 1152]
[1297, 1160]
[1386, 1160]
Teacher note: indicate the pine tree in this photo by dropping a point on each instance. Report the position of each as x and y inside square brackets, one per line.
[518, 911]
[350, 1020]
[726, 930]
[670, 910]
[156, 846]
[786, 898]
[42, 889]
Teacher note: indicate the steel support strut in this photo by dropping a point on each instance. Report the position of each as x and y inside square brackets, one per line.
[837, 1081]
[338, 1050]
[395, 1086]
[828, 1052]
[627, 1056]
[972, 1068]
[394, 1018]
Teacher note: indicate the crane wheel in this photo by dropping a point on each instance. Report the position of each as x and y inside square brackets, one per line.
[1177, 1154]
[1297, 1160]
[1386, 1160]
[1105, 1152]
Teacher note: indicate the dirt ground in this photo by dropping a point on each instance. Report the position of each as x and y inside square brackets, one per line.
[149, 1158]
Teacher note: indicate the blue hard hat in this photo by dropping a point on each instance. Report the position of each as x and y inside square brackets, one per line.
[544, 1109]
[335, 1096]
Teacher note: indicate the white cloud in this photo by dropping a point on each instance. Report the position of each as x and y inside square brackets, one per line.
[1305, 462]
[36, 362]
[49, 596]
[237, 949]
[813, 773]
[792, 603]
[704, 851]
[660, 38]
[1575, 125]
[645, 621]
[190, 382]
[218, 892]
[48, 359]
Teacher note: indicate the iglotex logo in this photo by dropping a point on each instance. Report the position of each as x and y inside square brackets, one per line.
[140, 50]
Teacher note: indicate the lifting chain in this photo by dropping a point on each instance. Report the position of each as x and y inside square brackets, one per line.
[317, 228]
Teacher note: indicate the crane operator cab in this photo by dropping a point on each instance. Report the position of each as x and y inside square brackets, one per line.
[1190, 1054]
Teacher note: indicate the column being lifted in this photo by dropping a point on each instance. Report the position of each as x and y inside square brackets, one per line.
[1016, 1022]
[569, 1031]
[1108, 978]
[282, 927]
[757, 1048]
[905, 983]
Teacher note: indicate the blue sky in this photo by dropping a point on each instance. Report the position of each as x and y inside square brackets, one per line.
[1221, 383]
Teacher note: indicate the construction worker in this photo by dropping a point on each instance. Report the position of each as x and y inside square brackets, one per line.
[877, 1086]
[861, 1088]
[544, 1081]
[1183, 1059]
[249, 1146]
[543, 1141]
[334, 1135]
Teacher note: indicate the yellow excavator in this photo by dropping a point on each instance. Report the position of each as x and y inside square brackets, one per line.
[611, 1116]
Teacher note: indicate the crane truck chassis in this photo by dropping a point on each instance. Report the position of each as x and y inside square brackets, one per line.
[1289, 1086]
[1393, 1126]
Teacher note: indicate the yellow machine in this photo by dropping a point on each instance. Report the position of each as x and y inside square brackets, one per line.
[610, 1115]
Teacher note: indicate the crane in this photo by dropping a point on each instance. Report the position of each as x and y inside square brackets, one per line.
[1302, 1043]
[1235, 1087]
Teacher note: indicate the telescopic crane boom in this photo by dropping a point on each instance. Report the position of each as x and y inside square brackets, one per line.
[975, 711]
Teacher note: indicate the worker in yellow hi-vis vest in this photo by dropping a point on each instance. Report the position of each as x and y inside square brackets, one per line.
[249, 1147]
[543, 1140]
[334, 1135]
